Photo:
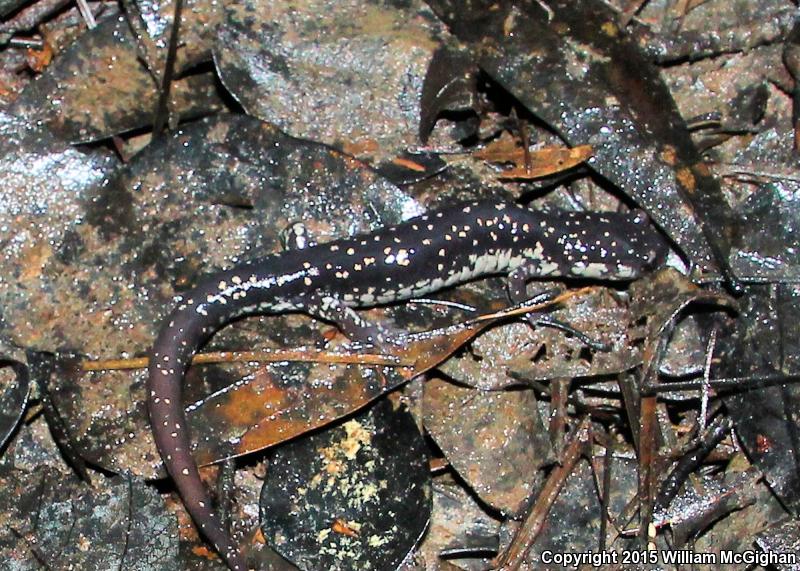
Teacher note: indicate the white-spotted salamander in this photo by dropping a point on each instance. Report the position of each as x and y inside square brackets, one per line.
[427, 253]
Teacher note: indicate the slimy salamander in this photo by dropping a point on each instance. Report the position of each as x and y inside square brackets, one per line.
[415, 258]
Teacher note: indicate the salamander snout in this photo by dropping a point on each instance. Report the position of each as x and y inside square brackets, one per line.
[650, 247]
[611, 246]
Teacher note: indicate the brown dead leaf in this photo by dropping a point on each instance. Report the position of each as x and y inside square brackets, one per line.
[536, 164]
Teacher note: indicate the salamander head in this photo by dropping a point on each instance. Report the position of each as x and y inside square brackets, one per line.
[592, 245]
[610, 245]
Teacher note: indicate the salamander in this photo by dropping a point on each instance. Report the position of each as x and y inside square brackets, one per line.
[424, 254]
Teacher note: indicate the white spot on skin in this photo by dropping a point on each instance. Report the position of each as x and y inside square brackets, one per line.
[591, 270]
[402, 257]
[624, 271]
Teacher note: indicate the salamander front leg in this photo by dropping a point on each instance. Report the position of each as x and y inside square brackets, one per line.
[356, 328]
[517, 293]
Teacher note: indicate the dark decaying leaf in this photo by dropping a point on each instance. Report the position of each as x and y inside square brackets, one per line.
[576, 70]
[459, 527]
[770, 249]
[508, 355]
[43, 186]
[781, 538]
[261, 409]
[44, 366]
[14, 392]
[573, 523]
[67, 99]
[692, 512]
[451, 85]
[217, 192]
[280, 402]
[151, 21]
[773, 255]
[660, 303]
[356, 497]
[496, 441]
[120, 524]
[348, 74]
[725, 28]
[737, 530]
[765, 340]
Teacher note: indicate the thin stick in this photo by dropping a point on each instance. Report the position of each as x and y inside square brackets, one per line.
[86, 12]
[265, 356]
[162, 106]
[526, 535]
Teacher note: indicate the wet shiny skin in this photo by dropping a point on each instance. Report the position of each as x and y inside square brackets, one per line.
[412, 259]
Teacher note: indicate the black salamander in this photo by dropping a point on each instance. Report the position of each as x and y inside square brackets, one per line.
[415, 258]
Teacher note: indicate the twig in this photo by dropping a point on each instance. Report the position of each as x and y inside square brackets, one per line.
[86, 12]
[526, 535]
[162, 106]
[304, 355]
